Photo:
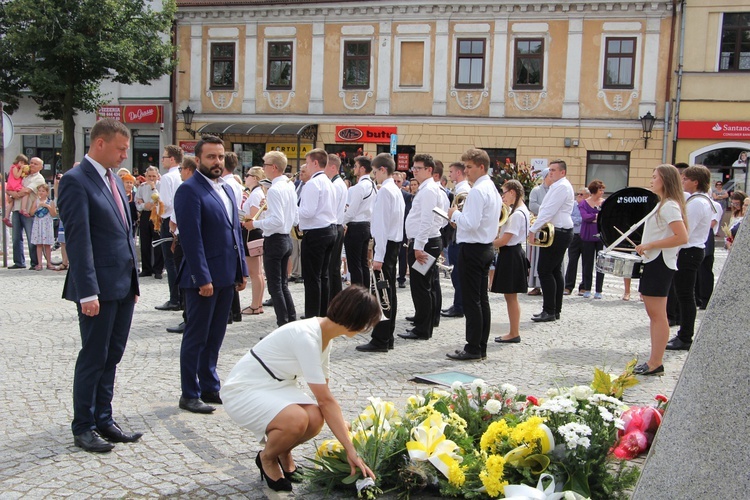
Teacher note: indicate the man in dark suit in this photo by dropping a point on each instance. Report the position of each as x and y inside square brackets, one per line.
[102, 280]
[213, 267]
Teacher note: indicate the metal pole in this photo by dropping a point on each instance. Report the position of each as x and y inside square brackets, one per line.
[2, 172]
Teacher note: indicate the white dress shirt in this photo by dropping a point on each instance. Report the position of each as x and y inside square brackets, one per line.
[317, 203]
[281, 213]
[218, 187]
[700, 213]
[717, 215]
[361, 200]
[236, 188]
[388, 216]
[462, 187]
[556, 206]
[339, 189]
[422, 223]
[254, 200]
[657, 228]
[167, 188]
[144, 193]
[477, 223]
[517, 225]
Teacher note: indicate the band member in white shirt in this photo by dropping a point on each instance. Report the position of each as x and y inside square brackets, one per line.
[281, 215]
[696, 181]
[511, 263]
[387, 231]
[317, 220]
[423, 231]
[332, 170]
[556, 208]
[170, 181]
[536, 196]
[461, 186]
[231, 162]
[361, 200]
[476, 228]
[704, 283]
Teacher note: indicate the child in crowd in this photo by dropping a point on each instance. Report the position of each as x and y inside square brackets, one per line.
[42, 231]
[18, 171]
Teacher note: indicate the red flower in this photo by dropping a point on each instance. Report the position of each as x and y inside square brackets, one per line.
[531, 399]
[661, 398]
[631, 445]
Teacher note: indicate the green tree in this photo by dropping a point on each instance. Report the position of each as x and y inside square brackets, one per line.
[60, 51]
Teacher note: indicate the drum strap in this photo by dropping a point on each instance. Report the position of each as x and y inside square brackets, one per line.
[627, 233]
[701, 195]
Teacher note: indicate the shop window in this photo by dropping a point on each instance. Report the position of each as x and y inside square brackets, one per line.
[222, 66]
[735, 42]
[249, 154]
[280, 59]
[347, 152]
[611, 168]
[357, 64]
[619, 63]
[403, 157]
[411, 72]
[470, 56]
[529, 64]
[500, 156]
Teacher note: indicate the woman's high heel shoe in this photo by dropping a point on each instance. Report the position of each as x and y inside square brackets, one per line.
[281, 484]
[294, 476]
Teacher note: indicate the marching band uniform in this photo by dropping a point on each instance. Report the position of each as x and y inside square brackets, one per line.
[457, 309]
[536, 197]
[476, 228]
[334, 266]
[361, 200]
[445, 204]
[317, 220]
[281, 215]
[704, 284]
[511, 266]
[423, 231]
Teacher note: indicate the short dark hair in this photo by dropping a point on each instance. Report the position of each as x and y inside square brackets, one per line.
[384, 160]
[681, 166]
[458, 165]
[231, 161]
[477, 156]
[438, 168]
[364, 162]
[355, 308]
[107, 128]
[563, 165]
[189, 163]
[174, 152]
[206, 139]
[319, 155]
[425, 159]
[700, 174]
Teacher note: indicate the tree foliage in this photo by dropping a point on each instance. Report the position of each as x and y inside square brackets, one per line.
[60, 51]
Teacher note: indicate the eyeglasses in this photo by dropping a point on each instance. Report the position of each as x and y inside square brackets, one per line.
[165, 157]
[581, 194]
[179, 169]
[269, 165]
[417, 169]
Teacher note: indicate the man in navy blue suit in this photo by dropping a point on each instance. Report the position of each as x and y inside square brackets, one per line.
[102, 281]
[212, 268]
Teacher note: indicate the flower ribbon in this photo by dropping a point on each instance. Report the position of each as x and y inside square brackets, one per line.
[430, 444]
[523, 492]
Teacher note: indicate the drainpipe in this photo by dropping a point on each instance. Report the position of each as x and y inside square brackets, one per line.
[678, 98]
[668, 86]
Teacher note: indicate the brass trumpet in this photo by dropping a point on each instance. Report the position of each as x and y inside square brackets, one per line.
[263, 207]
[459, 201]
[379, 288]
[297, 233]
[545, 236]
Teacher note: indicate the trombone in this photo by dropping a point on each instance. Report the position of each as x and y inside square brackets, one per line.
[545, 236]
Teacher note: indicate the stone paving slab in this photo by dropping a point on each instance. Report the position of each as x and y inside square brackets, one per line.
[185, 455]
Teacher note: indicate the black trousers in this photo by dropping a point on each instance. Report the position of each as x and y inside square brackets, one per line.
[550, 270]
[455, 260]
[423, 291]
[357, 242]
[277, 249]
[169, 263]
[152, 259]
[704, 284]
[403, 262]
[334, 265]
[475, 261]
[574, 255]
[315, 256]
[588, 258]
[683, 290]
[382, 334]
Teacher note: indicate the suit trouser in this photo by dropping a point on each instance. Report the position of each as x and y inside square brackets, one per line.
[357, 243]
[704, 285]
[315, 255]
[204, 333]
[382, 334]
[423, 291]
[403, 262]
[589, 250]
[574, 255]
[152, 259]
[178, 256]
[296, 271]
[22, 224]
[334, 265]
[277, 249]
[475, 261]
[550, 270]
[169, 264]
[683, 289]
[103, 339]
[454, 260]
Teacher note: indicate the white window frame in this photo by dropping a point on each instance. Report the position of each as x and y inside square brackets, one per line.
[271, 39]
[341, 63]
[209, 68]
[426, 70]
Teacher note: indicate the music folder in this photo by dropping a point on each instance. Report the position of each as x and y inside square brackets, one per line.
[423, 268]
[442, 213]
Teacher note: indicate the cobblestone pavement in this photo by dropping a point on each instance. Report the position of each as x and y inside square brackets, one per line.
[198, 456]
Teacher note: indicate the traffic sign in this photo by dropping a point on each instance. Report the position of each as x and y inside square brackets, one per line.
[394, 142]
[7, 130]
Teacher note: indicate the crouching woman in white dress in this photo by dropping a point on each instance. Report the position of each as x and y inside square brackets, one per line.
[262, 395]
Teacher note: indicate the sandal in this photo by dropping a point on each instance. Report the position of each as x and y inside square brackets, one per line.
[52, 268]
[62, 267]
[254, 310]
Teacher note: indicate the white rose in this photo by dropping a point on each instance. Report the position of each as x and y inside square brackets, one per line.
[510, 391]
[581, 392]
[456, 386]
[493, 406]
[478, 384]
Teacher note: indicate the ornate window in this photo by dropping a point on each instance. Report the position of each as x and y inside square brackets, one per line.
[619, 62]
[222, 66]
[470, 55]
[356, 65]
[735, 43]
[529, 64]
[280, 58]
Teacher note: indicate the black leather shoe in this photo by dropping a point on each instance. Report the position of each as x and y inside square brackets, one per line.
[143, 275]
[643, 369]
[370, 347]
[195, 406]
[402, 285]
[410, 318]
[464, 356]
[557, 315]
[168, 306]
[237, 317]
[412, 336]
[677, 344]
[115, 434]
[451, 313]
[158, 276]
[514, 340]
[93, 442]
[16, 266]
[177, 329]
[211, 397]
[543, 317]
[268, 303]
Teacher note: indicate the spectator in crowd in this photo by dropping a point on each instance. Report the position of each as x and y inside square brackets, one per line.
[591, 243]
[250, 208]
[152, 259]
[574, 250]
[43, 230]
[18, 171]
[720, 195]
[23, 221]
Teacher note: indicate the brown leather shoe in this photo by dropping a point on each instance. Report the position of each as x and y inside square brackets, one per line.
[535, 291]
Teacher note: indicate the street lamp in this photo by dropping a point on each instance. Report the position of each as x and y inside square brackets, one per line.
[187, 119]
[647, 123]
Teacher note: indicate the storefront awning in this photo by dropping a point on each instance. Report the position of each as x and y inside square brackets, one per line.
[301, 131]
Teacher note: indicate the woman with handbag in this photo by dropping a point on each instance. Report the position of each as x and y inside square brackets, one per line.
[254, 239]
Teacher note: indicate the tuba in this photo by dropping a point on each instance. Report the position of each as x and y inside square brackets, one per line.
[505, 212]
[379, 288]
[545, 236]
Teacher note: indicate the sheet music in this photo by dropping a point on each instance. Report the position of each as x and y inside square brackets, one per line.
[423, 268]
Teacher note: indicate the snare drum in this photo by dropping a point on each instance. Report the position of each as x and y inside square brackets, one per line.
[622, 264]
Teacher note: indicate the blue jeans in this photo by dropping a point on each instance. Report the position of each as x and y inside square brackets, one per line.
[22, 225]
